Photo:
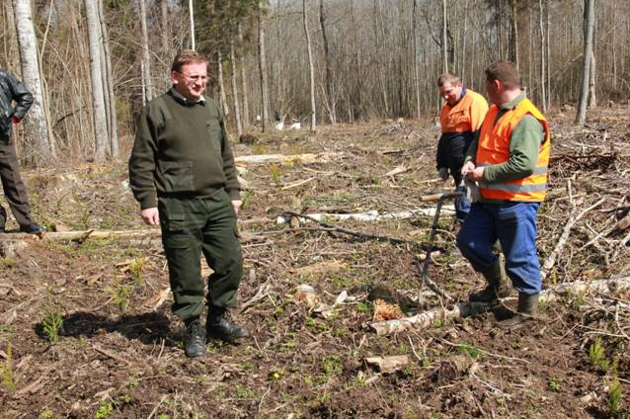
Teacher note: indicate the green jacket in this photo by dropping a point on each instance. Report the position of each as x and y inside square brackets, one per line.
[181, 149]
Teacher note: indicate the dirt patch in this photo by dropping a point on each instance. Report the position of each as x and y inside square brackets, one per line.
[118, 350]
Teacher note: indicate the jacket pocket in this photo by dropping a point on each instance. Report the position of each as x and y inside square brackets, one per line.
[177, 176]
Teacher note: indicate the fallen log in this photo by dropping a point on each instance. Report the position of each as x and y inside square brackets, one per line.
[369, 216]
[278, 158]
[85, 234]
[464, 309]
[11, 243]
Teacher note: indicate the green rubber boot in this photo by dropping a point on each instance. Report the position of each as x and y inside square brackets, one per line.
[526, 312]
[496, 288]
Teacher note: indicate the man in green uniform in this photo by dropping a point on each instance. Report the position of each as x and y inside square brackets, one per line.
[182, 172]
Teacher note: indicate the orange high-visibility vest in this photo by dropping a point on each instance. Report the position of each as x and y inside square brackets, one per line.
[466, 115]
[494, 148]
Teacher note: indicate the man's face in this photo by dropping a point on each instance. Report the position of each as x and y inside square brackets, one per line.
[191, 80]
[451, 92]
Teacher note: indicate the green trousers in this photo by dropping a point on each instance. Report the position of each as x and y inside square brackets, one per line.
[190, 227]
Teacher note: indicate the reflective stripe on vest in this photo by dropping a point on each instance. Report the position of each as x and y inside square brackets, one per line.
[494, 148]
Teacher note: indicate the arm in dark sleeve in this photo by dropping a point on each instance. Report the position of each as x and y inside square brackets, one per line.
[232, 186]
[21, 95]
[142, 162]
[471, 153]
[441, 158]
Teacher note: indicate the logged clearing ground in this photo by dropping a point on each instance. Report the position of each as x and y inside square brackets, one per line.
[86, 328]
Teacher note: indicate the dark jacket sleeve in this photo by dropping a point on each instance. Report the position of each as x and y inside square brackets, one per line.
[21, 95]
[441, 157]
[232, 186]
[142, 162]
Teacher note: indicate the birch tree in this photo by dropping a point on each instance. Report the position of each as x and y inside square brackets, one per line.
[37, 124]
[147, 85]
[191, 13]
[237, 106]
[589, 23]
[96, 76]
[108, 85]
[311, 67]
[262, 69]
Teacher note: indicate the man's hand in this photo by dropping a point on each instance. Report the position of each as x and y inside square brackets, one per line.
[468, 167]
[237, 205]
[16, 119]
[443, 173]
[476, 174]
[150, 216]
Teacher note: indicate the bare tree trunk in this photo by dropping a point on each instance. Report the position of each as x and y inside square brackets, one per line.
[37, 125]
[589, 23]
[548, 55]
[444, 38]
[167, 36]
[223, 98]
[262, 66]
[191, 13]
[146, 56]
[311, 67]
[514, 55]
[543, 90]
[108, 84]
[592, 99]
[237, 106]
[330, 96]
[464, 43]
[416, 65]
[244, 82]
[98, 99]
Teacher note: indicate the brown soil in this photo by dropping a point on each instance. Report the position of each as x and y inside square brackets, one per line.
[119, 354]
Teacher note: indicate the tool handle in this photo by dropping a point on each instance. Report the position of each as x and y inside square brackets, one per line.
[441, 196]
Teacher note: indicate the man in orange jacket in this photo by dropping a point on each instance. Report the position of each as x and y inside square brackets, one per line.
[509, 162]
[461, 116]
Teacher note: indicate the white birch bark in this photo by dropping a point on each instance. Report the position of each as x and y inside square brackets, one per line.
[146, 56]
[191, 13]
[37, 124]
[262, 68]
[237, 106]
[311, 67]
[96, 76]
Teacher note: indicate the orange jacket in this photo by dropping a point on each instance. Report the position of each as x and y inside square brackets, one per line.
[494, 148]
[466, 115]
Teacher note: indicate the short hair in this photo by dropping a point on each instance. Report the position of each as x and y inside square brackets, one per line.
[505, 72]
[449, 78]
[185, 57]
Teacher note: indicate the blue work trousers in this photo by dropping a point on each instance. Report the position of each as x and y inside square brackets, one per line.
[514, 225]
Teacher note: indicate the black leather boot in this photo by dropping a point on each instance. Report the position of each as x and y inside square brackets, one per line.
[195, 340]
[526, 312]
[496, 288]
[33, 228]
[218, 325]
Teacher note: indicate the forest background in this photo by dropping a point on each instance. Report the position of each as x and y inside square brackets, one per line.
[92, 64]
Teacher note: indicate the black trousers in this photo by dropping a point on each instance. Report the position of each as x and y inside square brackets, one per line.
[14, 189]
